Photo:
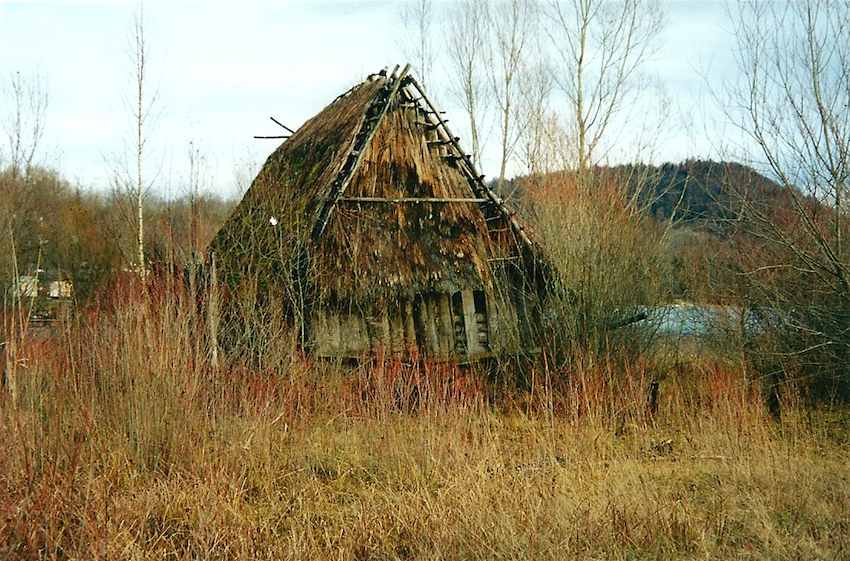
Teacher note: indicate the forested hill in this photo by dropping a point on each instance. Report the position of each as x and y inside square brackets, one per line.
[697, 193]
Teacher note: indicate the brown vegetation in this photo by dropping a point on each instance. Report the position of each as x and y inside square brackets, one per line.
[145, 423]
[127, 440]
[78, 234]
[123, 441]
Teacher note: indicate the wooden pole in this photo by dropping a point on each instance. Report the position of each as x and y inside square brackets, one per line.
[282, 125]
[411, 200]
[213, 317]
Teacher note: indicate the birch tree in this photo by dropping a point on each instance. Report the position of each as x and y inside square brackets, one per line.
[791, 103]
[129, 177]
[417, 18]
[468, 38]
[513, 23]
[599, 47]
[140, 115]
[542, 139]
[24, 123]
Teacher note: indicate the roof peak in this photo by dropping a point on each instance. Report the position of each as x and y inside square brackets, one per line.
[405, 84]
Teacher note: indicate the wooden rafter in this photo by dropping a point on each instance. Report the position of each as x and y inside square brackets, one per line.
[370, 122]
[434, 117]
[411, 200]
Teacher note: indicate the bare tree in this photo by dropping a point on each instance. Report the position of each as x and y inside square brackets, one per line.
[129, 177]
[417, 17]
[25, 122]
[541, 140]
[22, 122]
[140, 114]
[600, 46]
[513, 24]
[467, 36]
[792, 103]
[245, 169]
[197, 165]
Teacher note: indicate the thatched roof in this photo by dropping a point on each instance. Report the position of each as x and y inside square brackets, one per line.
[326, 205]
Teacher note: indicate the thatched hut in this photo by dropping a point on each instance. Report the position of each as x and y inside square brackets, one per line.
[374, 230]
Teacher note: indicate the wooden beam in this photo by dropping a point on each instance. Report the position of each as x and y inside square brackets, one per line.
[445, 323]
[429, 312]
[410, 200]
[409, 325]
[396, 325]
[429, 126]
[282, 125]
[355, 154]
[470, 323]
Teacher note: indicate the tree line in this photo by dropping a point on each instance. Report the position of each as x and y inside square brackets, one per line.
[72, 233]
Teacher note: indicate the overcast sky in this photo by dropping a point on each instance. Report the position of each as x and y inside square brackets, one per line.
[222, 68]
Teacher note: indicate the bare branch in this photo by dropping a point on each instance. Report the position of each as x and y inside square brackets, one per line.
[600, 47]
[25, 122]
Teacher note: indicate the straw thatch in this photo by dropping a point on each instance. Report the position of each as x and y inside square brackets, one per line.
[328, 222]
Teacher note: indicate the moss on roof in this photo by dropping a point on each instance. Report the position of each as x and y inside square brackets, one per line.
[368, 251]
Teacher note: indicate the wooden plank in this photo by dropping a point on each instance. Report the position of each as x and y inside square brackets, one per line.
[409, 325]
[459, 325]
[482, 330]
[378, 329]
[494, 323]
[411, 200]
[445, 324]
[359, 333]
[332, 323]
[428, 316]
[320, 333]
[396, 329]
[346, 335]
[473, 344]
[385, 329]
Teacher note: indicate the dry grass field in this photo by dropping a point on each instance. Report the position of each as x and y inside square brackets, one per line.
[121, 440]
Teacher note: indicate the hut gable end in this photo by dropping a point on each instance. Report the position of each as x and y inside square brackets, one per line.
[371, 225]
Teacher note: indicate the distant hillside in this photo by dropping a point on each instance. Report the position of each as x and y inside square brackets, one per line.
[696, 193]
[704, 200]
[699, 192]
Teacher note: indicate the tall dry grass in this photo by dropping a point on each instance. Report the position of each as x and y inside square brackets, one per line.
[124, 441]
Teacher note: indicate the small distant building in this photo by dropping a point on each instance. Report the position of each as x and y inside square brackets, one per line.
[374, 229]
[60, 290]
[26, 286]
